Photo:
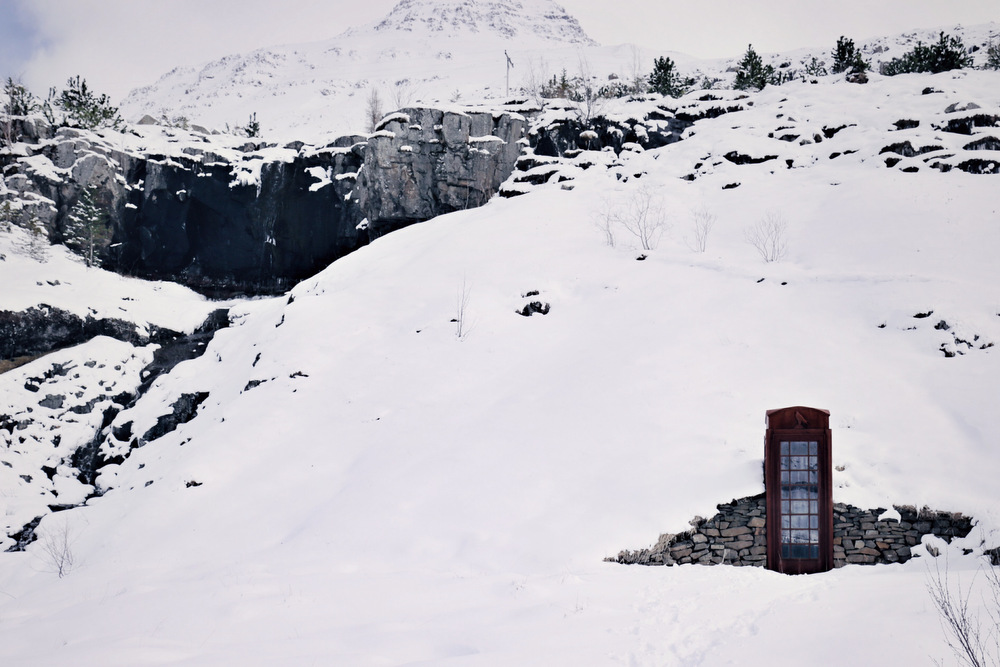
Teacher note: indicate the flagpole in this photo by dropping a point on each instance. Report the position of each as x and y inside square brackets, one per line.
[510, 63]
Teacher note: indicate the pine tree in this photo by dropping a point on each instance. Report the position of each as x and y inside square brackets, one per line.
[666, 80]
[20, 101]
[993, 56]
[846, 58]
[252, 128]
[947, 54]
[751, 72]
[86, 110]
[87, 229]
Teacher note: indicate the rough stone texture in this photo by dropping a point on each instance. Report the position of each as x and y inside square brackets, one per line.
[184, 409]
[208, 221]
[42, 329]
[424, 162]
[737, 536]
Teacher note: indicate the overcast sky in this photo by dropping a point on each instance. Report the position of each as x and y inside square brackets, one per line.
[118, 45]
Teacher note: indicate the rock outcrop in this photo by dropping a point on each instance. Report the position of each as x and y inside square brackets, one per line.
[255, 217]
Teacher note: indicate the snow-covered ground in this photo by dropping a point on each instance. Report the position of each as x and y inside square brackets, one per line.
[363, 486]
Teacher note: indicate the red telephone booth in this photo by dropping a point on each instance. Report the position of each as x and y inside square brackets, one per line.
[798, 483]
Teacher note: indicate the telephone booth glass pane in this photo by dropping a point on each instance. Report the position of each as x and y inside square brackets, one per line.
[799, 499]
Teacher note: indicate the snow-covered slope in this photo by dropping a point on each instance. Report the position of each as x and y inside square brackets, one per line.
[365, 486]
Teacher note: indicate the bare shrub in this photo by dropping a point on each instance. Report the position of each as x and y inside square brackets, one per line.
[535, 79]
[461, 319]
[606, 219]
[969, 641]
[58, 549]
[643, 216]
[403, 92]
[641, 213]
[373, 109]
[588, 100]
[702, 222]
[768, 236]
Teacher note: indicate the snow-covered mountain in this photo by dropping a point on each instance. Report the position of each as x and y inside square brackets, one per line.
[437, 52]
[538, 22]
[424, 50]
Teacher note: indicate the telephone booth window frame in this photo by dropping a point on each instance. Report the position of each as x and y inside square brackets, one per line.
[798, 483]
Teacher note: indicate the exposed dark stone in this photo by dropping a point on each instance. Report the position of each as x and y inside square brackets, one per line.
[562, 138]
[534, 307]
[906, 124]
[182, 348]
[43, 328]
[739, 158]
[966, 124]
[184, 409]
[689, 116]
[52, 401]
[978, 166]
[25, 536]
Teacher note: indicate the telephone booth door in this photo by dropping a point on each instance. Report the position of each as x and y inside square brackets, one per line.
[798, 482]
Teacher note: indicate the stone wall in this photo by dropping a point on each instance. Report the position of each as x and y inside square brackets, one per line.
[737, 536]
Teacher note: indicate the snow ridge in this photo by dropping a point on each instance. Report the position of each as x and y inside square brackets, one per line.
[511, 19]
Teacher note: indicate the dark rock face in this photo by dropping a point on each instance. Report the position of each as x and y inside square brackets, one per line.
[261, 218]
[199, 223]
[568, 136]
[43, 329]
[184, 409]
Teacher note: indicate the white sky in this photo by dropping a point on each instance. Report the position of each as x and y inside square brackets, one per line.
[118, 45]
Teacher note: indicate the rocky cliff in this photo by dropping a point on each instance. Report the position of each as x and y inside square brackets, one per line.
[219, 215]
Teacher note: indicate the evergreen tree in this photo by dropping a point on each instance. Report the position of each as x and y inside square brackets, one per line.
[993, 56]
[252, 128]
[666, 80]
[87, 229]
[84, 109]
[846, 58]
[751, 72]
[20, 101]
[947, 54]
[815, 68]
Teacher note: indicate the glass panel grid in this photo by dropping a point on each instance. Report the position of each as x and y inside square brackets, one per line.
[799, 499]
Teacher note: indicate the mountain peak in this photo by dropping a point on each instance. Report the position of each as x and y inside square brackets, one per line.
[534, 20]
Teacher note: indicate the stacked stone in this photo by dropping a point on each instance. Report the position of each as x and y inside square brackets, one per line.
[734, 536]
[860, 537]
[737, 536]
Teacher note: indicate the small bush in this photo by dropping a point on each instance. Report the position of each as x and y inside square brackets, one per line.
[947, 54]
[815, 68]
